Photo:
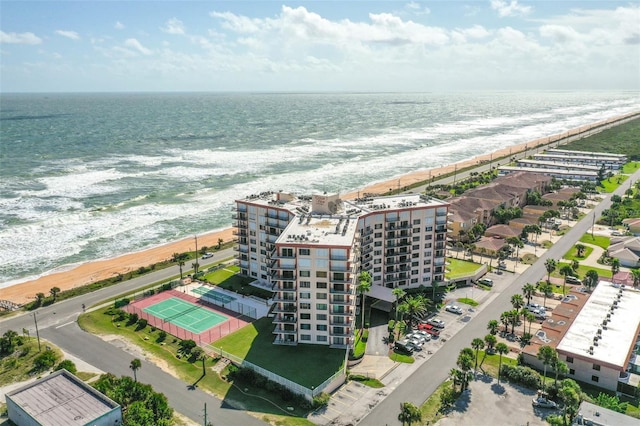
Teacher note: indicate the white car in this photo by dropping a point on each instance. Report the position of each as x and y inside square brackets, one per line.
[454, 309]
[423, 334]
[436, 322]
[207, 255]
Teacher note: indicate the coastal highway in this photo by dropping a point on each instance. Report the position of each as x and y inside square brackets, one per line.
[57, 324]
[422, 383]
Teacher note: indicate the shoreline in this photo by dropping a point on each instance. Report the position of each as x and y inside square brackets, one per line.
[97, 270]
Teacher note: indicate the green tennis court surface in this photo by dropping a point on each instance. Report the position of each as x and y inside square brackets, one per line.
[193, 318]
[212, 294]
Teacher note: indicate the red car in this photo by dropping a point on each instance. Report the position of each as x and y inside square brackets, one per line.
[429, 329]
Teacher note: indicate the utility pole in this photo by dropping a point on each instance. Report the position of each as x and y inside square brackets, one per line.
[205, 414]
[35, 318]
[196, 253]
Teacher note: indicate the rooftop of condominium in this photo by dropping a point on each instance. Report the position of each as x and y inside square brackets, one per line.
[320, 230]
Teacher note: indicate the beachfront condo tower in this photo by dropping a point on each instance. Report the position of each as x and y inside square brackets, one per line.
[310, 250]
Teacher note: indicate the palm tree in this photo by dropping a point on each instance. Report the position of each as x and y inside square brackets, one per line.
[180, 265]
[559, 367]
[550, 265]
[220, 242]
[54, 292]
[565, 271]
[527, 290]
[546, 354]
[635, 273]
[490, 342]
[39, 298]
[135, 366]
[580, 248]
[547, 290]
[455, 375]
[459, 248]
[517, 301]
[502, 349]
[504, 319]
[471, 248]
[492, 326]
[416, 307]
[364, 286]
[514, 319]
[464, 362]
[409, 413]
[530, 317]
[477, 344]
[591, 278]
[615, 266]
[399, 294]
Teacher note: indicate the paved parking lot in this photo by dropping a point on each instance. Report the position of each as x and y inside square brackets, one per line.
[489, 403]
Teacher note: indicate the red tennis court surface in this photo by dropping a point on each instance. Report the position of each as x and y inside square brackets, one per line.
[210, 335]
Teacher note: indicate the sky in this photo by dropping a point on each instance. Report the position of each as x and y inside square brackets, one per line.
[352, 46]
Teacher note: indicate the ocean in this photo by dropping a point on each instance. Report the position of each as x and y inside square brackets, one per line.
[93, 176]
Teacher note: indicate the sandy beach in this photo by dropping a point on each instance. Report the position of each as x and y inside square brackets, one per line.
[95, 271]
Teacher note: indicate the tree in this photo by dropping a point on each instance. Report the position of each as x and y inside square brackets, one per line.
[220, 242]
[465, 363]
[615, 266]
[504, 319]
[550, 265]
[477, 344]
[591, 279]
[635, 273]
[490, 342]
[8, 342]
[559, 367]
[39, 299]
[612, 402]
[547, 291]
[517, 301]
[547, 355]
[44, 361]
[570, 395]
[580, 248]
[135, 365]
[527, 290]
[514, 319]
[364, 286]
[502, 349]
[186, 346]
[565, 271]
[198, 354]
[416, 307]
[399, 294]
[530, 317]
[492, 326]
[54, 292]
[180, 265]
[409, 413]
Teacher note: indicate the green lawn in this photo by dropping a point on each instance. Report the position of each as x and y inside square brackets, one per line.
[631, 167]
[457, 268]
[468, 301]
[490, 364]
[597, 240]
[610, 185]
[254, 343]
[572, 254]
[229, 279]
[582, 271]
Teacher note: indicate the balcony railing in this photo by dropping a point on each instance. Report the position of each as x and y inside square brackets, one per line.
[279, 341]
[283, 330]
[284, 298]
[285, 309]
[285, 319]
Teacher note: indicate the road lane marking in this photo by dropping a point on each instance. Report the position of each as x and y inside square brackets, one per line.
[65, 324]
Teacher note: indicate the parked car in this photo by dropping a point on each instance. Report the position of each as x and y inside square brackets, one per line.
[542, 402]
[404, 346]
[534, 307]
[436, 322]
[573, 280]
[429, 329]
[539, 313]
[454, 309]
[207, 255]
[617, 234]
[426, 336]
[486, 281]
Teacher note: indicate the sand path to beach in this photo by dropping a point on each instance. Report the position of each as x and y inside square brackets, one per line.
[102, 269]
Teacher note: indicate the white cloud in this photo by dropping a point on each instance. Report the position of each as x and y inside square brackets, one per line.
[19, 38]
[118, 25]
[68, 34]
[510, 9]
[173, 26]
[135, 44]
[417, 9]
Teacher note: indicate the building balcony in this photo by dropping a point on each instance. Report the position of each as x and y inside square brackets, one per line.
[341, 289]
[281, 277]
[284, 319]
[278, 267]
[239, 215]
[340, 331]
[240, 232]
[441, 228]
[285, 308]
[286, 329]
[283, 341]
[284, 297]
[241, 248]
[342, 302]
[339, 281]
[288, 288]
[341, 322]
[441, 214]
[243, 263]
[240, 224]
[341, 311]
[339, 268]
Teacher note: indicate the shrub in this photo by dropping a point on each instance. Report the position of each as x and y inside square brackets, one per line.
[142, 323]
[161, 336]
[68, 365]
[391, 326]
[447, 398]
[522, 375]
[321, 400]
[122, 302]
[44, 361]
[133, 318]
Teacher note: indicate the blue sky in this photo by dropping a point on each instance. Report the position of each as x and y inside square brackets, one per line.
[89, 46]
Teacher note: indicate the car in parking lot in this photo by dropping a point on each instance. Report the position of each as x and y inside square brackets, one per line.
[486, 281]
[573, 280]
[423, 334]
[542, 402]
[534, 307]
[429, 329]
[436, 322]
[454, 309]
[404, 346]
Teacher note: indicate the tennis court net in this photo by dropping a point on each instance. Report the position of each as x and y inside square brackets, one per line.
[179, 314]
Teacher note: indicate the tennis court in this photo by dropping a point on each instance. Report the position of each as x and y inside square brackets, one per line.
[212, 294]
[189, 316]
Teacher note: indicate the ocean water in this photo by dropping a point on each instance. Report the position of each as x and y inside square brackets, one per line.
[91, 176]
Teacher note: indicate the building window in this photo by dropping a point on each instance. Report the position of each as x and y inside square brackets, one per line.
[321, 296]
[288, 252]
[378, 226]
[377, 252]
[596, 367]
[377, 269]
[305, 306]
[377, 235]
[321, 317]
[570, 359]
[305, 284]
[305, 337]
[416, 221]
[377, 244]
[305, 274]
[595, 379]
[572, 372]
[321, 327]
[305, 326]
[321, 306]
[321, 274]
[305, 316]
[305, 295]
[321, 338]
[377, 261]
[305, 252]
[321, 285]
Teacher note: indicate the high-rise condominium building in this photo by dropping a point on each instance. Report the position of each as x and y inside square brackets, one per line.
[311, 250]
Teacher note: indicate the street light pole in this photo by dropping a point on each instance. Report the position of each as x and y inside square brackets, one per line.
[35, 319]
[196, 254]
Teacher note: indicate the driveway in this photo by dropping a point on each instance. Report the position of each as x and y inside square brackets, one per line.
[489, 403]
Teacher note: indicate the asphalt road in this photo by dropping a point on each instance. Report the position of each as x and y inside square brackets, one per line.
[423, 382]
[57, 324]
